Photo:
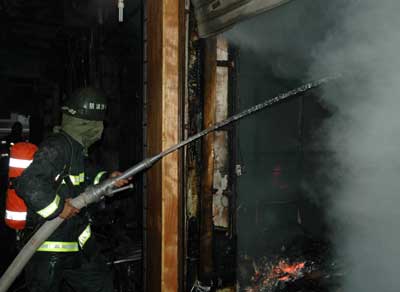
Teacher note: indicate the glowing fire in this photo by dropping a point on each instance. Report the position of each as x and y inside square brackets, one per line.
[270, 275]
[285, 272]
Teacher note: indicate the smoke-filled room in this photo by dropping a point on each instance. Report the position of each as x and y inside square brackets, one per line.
[199, 146]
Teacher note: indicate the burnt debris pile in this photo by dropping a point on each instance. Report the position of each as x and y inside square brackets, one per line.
[304, 266]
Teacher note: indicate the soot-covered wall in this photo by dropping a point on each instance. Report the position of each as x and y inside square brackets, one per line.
[358, 170]
[278, 195]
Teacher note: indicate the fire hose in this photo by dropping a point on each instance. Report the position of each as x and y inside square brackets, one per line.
[96, 193]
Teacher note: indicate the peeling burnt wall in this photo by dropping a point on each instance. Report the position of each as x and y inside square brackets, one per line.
[222, 247]
[194, 119]
[224, 177]
[193, 124]
[220, 147]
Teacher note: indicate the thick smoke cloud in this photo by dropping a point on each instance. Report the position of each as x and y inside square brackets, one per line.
[285, 38]
[276, 50]
[274, 56]
[364, 135]
[360, 39]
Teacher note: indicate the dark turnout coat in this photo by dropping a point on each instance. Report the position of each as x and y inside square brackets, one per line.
[58, 172]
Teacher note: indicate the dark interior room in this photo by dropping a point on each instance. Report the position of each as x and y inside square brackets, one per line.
[199, 145]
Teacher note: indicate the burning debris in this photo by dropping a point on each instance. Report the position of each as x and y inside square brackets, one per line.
[287, 272]
[272, 274]
[294, 270]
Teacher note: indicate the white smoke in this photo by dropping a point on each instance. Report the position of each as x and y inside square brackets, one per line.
[284, 38]
[361, 39]
[364, 135]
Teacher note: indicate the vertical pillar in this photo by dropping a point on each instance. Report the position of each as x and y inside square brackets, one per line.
[206, 201]
[163, 95]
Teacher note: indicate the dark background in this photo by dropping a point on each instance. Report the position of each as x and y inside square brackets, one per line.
[47, 50]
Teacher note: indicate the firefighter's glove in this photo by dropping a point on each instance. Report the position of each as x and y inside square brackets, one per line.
[69, 210]
[121, 182]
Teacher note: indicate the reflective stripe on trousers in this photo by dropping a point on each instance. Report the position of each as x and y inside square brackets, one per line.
[59, 246]
[62, 246]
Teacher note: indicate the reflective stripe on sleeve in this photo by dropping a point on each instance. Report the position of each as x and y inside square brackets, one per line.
[17, 216]
[19, 163]
[59, 246]
[84, 236]
[98, 177]
[76, 180]
[51, 208]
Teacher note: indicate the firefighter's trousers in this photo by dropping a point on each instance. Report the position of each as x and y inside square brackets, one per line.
[50, 272]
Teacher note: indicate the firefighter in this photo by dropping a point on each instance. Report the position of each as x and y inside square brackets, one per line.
[57, 174]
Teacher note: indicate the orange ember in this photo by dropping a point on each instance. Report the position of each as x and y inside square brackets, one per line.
[291, 269]
[285, 272]
[268, 276]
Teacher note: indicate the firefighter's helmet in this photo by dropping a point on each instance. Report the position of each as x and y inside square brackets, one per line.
[86, 103]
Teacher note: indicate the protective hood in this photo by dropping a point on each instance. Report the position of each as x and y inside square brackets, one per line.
[83, 131]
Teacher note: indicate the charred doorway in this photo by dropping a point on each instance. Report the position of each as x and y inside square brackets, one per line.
[283, 236]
